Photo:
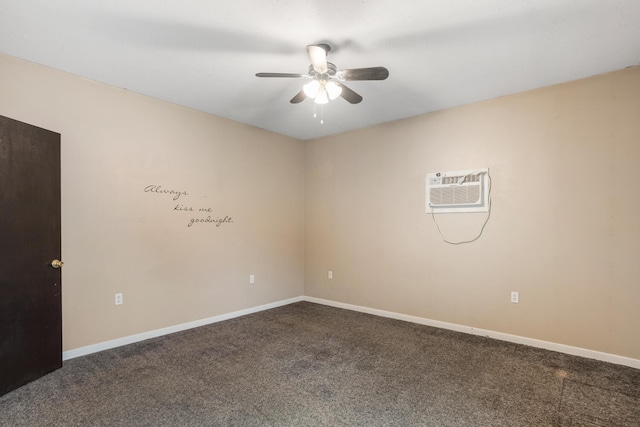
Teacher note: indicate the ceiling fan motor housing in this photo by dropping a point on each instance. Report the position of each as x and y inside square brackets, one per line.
[331, 72]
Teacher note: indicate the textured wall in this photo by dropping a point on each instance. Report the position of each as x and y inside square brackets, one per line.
[564, 228]
[117, 237]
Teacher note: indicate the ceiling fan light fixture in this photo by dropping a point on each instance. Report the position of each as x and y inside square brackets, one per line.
[311, 89]
[333, 90]
[322, 97]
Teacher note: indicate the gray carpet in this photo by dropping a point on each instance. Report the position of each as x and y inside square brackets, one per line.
[310, 365]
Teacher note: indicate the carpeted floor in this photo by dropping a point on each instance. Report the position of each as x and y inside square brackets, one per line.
[311, 365]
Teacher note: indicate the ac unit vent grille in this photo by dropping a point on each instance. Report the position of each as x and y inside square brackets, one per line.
[458, 195]
[456, 179]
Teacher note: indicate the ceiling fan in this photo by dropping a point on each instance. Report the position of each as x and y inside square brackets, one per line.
[326, 80]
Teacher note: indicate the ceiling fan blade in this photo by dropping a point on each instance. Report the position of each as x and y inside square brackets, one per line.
[300, 96]
[371, 73]
[318, 57]
[293, 75]
[349, 95]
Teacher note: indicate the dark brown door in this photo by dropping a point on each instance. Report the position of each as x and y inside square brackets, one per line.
[30, 287]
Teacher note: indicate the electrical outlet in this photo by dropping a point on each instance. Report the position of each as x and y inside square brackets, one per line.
[330, 274]
[252, 279]
[118, 299]
[515, 297]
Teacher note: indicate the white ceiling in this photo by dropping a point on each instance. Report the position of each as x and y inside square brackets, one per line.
[440, 53]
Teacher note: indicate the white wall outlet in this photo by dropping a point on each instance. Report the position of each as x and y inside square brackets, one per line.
[252, 279]
[515, 297]
[330, 274]
[118, 299]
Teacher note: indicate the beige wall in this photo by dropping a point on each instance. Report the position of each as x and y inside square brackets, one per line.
[564, 228]
[119, 238]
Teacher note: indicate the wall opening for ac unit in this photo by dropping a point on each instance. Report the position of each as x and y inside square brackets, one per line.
[458, 191]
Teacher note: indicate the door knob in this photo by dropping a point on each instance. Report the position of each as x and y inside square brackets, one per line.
[56, 263]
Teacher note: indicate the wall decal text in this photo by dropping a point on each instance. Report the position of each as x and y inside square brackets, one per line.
[180, 207]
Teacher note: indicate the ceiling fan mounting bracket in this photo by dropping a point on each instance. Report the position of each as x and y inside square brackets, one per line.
[325, 46]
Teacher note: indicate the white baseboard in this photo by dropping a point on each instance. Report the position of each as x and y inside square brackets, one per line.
[94, 348]
[575, 351]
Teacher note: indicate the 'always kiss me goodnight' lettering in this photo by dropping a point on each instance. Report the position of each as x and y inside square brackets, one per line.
[180, 207]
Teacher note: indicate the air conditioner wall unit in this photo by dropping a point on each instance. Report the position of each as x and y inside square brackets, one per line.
[458, 191]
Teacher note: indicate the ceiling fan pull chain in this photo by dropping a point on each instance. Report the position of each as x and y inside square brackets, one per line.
[315, 112]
